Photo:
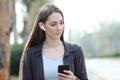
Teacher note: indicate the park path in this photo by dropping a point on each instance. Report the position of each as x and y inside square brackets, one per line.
[103, 69]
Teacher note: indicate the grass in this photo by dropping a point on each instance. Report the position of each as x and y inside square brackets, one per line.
[13, 77]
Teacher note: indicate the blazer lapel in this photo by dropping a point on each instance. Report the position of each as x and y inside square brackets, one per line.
[68, 58]
[39, 64]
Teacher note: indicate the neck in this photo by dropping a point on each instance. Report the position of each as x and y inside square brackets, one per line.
[52, 43]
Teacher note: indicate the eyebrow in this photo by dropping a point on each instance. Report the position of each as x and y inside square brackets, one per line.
[55, 21]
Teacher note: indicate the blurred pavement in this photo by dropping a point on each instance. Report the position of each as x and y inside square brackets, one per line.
[103, 69]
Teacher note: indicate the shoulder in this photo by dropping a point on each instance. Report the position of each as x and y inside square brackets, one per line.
[72, 47]
[34, 49]
[74, 50]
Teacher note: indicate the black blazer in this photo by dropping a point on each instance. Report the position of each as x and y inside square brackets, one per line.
[33, 63]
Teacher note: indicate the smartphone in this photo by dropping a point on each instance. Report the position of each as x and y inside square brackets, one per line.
[61, 68]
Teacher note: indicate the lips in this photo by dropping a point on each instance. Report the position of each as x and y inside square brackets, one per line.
[58, 33]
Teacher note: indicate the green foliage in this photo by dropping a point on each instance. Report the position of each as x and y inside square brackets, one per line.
[113, 30]
[102, 43]
[16, 53]
[105, 55]
[13, 77]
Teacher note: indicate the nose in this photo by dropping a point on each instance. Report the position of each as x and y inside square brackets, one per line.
[59, 27]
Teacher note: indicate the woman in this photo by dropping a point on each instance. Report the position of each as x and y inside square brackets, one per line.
[46, 50]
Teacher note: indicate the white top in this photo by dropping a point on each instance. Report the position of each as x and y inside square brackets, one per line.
[51, 68]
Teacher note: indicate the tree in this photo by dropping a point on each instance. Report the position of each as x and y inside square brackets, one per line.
[6, 15]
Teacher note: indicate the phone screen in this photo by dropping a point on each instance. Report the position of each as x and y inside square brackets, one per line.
[61, 68]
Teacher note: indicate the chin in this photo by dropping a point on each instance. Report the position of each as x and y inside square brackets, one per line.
[56, 38]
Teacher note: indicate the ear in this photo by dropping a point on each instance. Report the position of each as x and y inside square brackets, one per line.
[41, 25]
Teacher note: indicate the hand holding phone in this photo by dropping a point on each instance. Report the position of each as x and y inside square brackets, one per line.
[66, 75]
[61, 68]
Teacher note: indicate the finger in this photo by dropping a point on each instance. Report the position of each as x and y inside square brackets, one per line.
[61, 77]
[68, 72]
[70, 75]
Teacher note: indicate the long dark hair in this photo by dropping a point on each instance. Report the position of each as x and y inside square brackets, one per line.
[37, 35]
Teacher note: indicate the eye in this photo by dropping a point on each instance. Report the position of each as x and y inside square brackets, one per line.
[53, 24]
[62, 22]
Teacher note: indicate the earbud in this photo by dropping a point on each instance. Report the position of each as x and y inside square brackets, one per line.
[42, 28]
[41, 25]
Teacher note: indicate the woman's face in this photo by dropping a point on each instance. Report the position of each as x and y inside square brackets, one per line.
[54, 26]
